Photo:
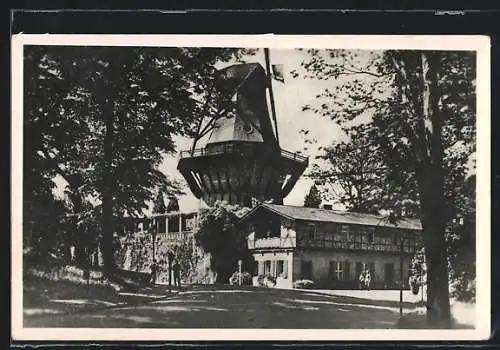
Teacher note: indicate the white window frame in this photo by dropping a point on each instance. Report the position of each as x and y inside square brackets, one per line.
[339, 270]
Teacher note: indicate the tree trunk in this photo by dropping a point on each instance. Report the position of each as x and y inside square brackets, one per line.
[107, 193]
[438, 302]
[80, 235]
[434, 210]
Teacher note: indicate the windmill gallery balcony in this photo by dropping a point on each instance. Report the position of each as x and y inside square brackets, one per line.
[236, 149]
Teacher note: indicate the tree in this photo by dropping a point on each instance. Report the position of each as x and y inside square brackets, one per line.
[217, 234]
[462, 244]
[420, 107]
[313, 198]
[159, 204]
[354, 174]
[103, 119]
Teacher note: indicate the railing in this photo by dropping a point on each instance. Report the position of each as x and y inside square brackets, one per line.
[378, 247]
[272, 242]
[293, 156]
[232, 148]
[174, 236]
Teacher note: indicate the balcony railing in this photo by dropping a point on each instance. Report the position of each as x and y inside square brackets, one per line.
[378, 247]
[293, 156]
[232, 148]
[272, 242]
[174, 236]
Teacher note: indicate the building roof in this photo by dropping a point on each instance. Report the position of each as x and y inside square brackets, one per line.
[328, 215]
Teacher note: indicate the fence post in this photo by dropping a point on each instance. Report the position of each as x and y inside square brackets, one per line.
[240, 263]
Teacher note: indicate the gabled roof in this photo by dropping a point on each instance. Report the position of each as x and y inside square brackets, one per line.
[327, 215]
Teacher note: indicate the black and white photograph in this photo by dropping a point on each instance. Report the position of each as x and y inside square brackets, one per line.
[250, 187]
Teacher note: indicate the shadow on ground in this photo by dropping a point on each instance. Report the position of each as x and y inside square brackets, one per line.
[42, 296]
[228, 307]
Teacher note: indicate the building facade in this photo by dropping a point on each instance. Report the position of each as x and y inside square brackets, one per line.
[329, 247]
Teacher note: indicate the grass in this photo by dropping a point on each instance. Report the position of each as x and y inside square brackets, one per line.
[53, 287]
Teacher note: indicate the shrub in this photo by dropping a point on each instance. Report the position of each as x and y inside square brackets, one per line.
[303, 284]
[266, 280]
[246, 279]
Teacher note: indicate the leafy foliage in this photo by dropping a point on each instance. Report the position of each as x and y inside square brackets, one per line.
[246, 279]
[159, 206]
[217, 234]
[266, 280]
[103, 118]
[313, 198]
[354, 174]
[303, 284]
[184, 253]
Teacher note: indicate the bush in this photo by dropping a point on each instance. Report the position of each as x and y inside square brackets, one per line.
[246, 279]
[303, 284]
[266, 280]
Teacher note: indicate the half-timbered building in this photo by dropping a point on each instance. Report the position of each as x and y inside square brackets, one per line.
[330, 247]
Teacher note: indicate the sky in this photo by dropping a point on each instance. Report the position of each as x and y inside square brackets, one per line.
[289, 98]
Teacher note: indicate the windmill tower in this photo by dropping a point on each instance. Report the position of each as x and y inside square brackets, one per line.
[242, 159]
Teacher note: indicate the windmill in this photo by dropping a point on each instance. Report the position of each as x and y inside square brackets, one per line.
[242, 159]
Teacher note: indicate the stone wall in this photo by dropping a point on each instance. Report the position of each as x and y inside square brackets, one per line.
[135, 253]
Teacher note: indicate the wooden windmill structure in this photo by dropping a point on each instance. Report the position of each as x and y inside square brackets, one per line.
[242, 160]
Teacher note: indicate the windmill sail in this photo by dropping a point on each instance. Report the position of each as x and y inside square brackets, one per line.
[278, 72]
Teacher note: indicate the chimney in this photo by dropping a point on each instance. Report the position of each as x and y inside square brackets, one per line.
[327, 206]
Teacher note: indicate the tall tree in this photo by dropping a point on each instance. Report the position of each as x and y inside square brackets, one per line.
[313, 198]
[420, 106]
[103, 118]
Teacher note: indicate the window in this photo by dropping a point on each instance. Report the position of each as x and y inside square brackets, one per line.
[345, 233]
[306, 269]
[285, 269]
[337, 270]
[319, 240]
[352, 239]
[358, 269]
[371, 268]
[333, 266]
[395, 239]
[160, 224]
[337, 238]
[389, 273]
[328, 240]
[347, 270]
[371, 236]
[267, 267]
[173, 224]
[280, 268]
[311, 230]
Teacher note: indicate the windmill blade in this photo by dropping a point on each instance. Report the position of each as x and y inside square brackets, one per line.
[271, 95]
